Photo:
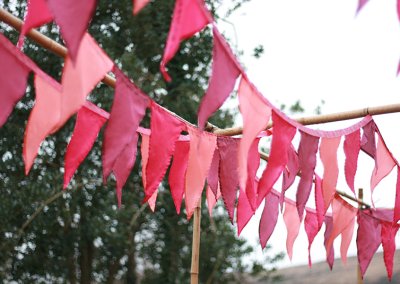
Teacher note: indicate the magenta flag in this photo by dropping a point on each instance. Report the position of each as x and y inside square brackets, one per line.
[269, 218]
[384, 163]
[228, 178]
[224, 73]
[351, 148]
[330, 254]
[202, 147]
[213, 173]
[368, 144]
[282, 136]
[37, 15]
[328, 154]
[138, 5]
[165, 131]
[177, 173]
[189, 17]
[311, 227]
[144, 151]
[292, 222]
[388, 234]
[253, 162]
[244, 212]
[256, 115]
[73, 18]
[88, 123]
[308, 148]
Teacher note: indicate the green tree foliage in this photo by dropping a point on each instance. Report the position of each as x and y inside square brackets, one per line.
[79, 235]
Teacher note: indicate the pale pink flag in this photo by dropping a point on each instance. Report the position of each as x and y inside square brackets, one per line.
[202, 147]
[351, 147]
[328, 154]
[292, 222]
[384, 163]
[256, 115]
[144, 150]
[347, 235]
[139, 5]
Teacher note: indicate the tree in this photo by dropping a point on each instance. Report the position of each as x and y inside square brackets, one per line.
[79, 235]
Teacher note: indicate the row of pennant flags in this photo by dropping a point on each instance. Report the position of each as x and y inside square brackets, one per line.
[227, 165]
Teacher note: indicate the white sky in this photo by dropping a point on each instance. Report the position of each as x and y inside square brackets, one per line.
[320, 50]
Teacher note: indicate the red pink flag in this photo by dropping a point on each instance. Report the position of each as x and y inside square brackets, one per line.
[144, 151]
[311, 227]
[388, 234]
[330, 254]
[269, 218]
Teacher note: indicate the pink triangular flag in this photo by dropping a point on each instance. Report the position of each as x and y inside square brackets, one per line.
[347, 235]
[37, 14]
[73, 17]
[396, 214]
[398, 9]
[165, 131]
[244, 212]
[190, 17]
[319, 200]
[292, 222]
[328, 154]
[177, 173]
[330, 254]
[269, 218]
[253, 162]
[213, 173]
[289, 172]
[224, 73]
[256, 115]
[311, 227]
[144, 151]
[308, 148]
[88, 123]
[212, 199]
[202, 146]
[388, 235]
[368, 144]
[228, 178]
[368, 240]
[139, 5]
[351, 148]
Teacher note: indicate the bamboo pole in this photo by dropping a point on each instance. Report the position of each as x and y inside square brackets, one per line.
[194, 270]
[359, 276]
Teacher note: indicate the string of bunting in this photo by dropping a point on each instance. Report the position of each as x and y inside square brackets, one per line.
[228, 164]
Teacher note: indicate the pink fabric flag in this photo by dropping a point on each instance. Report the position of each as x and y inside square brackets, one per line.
[13, 79]
[269, 218]
[44, 117]
[144, 151]
[37, 14]
[388, 235]
[89, 121]
[177, 173]
[165, 131]
[398, 9]
[244, 212]
[120, 138]
[319, 200]
[290, 171]
[202, 147]
[343, 215]
[292, 222]
[330, 254]
[253, 162]
[282, 136]
[368, 240]
[228, 178]
[347, 235]
[328, 154]
[311, 227]
[213, 173]
[190, 17]
[256, 115]
[396, 213]
[212, 199]
[361, 4]
[351, 148]
[308, 148]
[138, 5]
[368, 144]
[73, 18]
[224, 73]
[384, 163]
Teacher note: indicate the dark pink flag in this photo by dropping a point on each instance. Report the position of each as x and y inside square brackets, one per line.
[269, 218]
[139, 5]
[244, 212]
[213, 173]
[398, 9]
[351, 148]
[282, 136]
[253, 162]
[290, 171]
[228, 177]
[73, 18]
[120, 136]
[224, 73]
[13, 79]
[388, 234]
[190, 17]
[177, 173]
[328, 154]
[144, 151]
[368, 144]
[165, 131]
[311, 227]
[37, 14]
[319, 200]
[330, 254]
[89, 121]
[384, 163]
[368, 239]
[396, 213]
[308, 148]
[292, 222]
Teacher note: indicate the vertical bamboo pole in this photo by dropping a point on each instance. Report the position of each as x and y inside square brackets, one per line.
[360, 198]
[194, 270]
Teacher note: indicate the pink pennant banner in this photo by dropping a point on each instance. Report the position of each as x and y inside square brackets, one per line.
[368, 143]
[189, 17]
[319, 200]
[213, 173]
[253, 162]
[347, 235]
[328, 154]
[290, 171]
[269, 218]
[138, 5]
[351, 148]
[177, 173]
[73, 18]
[244, 212]
[330, 254]
[89, 121]
[388, 235]
[256, 115]
[202, 147]
[292, 222]
[311, 227]
[165, 131]
[308, 148]
[212, 199]
[144, 151]
[224, 74]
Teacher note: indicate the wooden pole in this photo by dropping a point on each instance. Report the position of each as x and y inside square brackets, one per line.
[194, 270]
[360, 197]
